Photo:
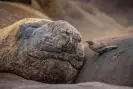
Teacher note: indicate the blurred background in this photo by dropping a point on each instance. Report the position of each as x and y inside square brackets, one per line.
[95, 19]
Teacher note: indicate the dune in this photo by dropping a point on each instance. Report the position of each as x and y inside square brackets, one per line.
[120, 10]
[90, 21]
[12, 12]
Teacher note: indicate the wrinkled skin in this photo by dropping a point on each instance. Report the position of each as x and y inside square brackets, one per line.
[49, 52]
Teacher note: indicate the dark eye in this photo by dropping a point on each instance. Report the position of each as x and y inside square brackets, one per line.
[67, 33]
[35, 26]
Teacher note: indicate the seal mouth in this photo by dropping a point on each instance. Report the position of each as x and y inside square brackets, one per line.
[44, 55]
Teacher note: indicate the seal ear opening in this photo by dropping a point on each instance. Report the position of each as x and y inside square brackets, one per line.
[89, 42]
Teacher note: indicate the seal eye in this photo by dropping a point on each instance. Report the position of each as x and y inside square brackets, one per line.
[67, 33]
